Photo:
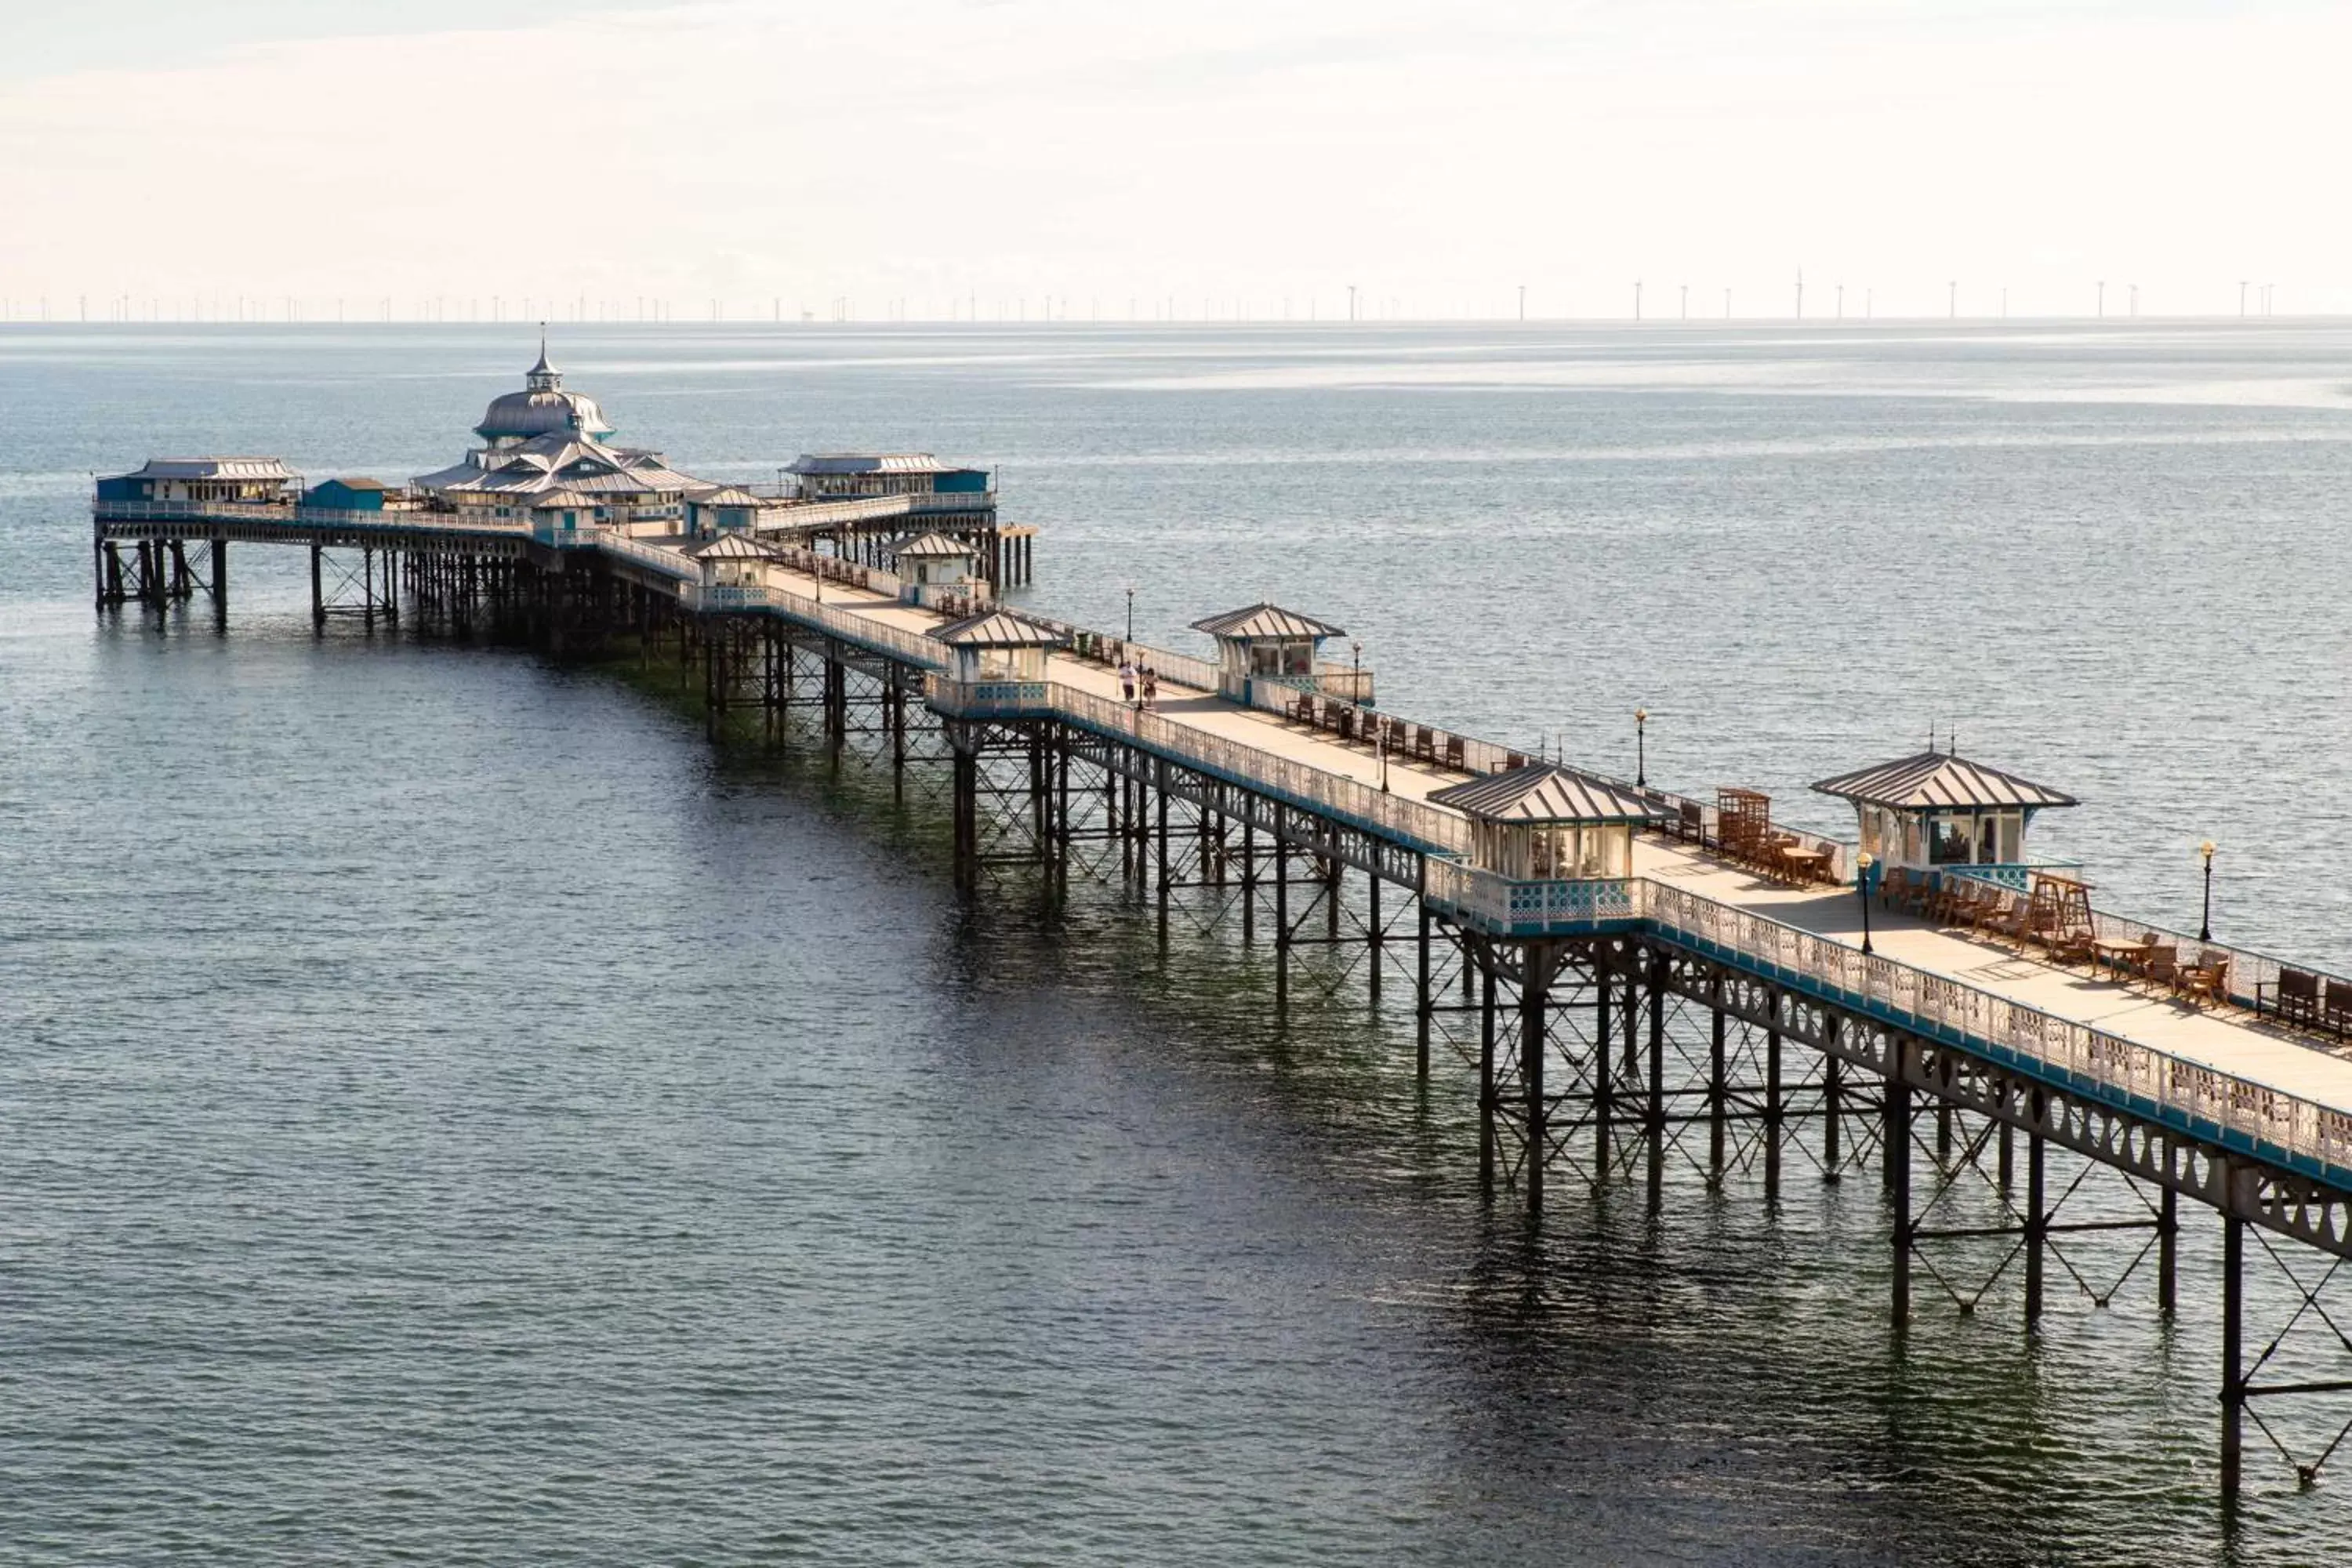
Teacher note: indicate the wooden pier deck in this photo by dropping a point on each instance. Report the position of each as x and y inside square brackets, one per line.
[2228, 1040]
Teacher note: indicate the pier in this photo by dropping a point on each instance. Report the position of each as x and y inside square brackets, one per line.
[1636, 976]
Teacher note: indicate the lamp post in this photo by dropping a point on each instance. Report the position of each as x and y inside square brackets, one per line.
[1862, 865]
[1384, 759]
[1130, 612]
[1641, 747]
[2205, 925]
[1355, 687]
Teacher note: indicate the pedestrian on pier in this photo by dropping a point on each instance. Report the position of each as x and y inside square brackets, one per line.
[1126, 682]
[1151, 687]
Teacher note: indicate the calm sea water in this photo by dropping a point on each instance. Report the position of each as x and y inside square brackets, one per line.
[447, 1111]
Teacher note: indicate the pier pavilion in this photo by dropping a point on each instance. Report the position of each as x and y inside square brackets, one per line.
[543, 440]
[1937, 810]
[1623, 990]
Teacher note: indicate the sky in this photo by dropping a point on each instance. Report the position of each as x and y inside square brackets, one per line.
[869, 158]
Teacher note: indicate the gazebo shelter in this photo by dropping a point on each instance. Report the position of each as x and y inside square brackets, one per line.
[1937, 809]
[732, 560]
[1266, 642]
[718, 508]
[930, 565]
[998, 646]
[1546, 823]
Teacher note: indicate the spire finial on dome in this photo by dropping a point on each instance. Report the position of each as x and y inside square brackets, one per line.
[543, 376]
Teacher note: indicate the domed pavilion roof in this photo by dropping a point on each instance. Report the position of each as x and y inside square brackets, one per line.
[540, 408]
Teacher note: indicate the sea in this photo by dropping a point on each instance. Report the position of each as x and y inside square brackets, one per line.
[451, 1112]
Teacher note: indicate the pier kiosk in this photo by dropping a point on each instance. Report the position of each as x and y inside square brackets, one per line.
[721, 508]
[932, 567]
[1266, 643]
[731, 561]
[1552, 852]
[1936, 810]
[1546, 823]
[997, 661]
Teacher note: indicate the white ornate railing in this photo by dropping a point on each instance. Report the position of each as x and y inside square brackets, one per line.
[847, 626]
[1393, 816]
[2015, 875]
[2257, 1116]
[1101, 648]
[1506, 905]
[833, 569]
[988, 698]
[394, 521]
[790, 515]
[2252, 974]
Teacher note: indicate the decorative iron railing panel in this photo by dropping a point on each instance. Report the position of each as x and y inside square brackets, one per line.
[2238, 1112]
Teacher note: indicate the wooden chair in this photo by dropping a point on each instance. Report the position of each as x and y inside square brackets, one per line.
[2161, 966]
[2072, 946]
[2298, 998]
[2012, 918]
[1454, 752]
[1692, 823]
[1917, 893]
[2336, 1005]
[2207, 981]
[1894, 887]
[1424, 744]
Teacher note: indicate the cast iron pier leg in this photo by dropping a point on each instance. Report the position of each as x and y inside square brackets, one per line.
[1898, 1174]
[1486, 1079]
[2233, 1386]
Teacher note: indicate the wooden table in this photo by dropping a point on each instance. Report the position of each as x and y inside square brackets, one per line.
[1803, 864]
[2117, 951]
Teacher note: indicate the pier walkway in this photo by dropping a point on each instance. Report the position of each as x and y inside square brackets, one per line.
[2304, 1088]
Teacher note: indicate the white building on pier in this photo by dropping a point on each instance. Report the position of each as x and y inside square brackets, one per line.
[544, 441]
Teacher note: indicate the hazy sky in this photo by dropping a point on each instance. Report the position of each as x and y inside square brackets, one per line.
[1219, 151]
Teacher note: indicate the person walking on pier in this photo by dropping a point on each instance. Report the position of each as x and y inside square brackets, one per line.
[1126, 682]
[1151, 687]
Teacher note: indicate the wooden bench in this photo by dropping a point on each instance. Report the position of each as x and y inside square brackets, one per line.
[2298, 998]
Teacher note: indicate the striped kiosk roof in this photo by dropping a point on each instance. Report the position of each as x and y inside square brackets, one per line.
[931, 546]
[1545, 791]
[997, 628]
[731, 547]
[1265, 620]
[1933, 781]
